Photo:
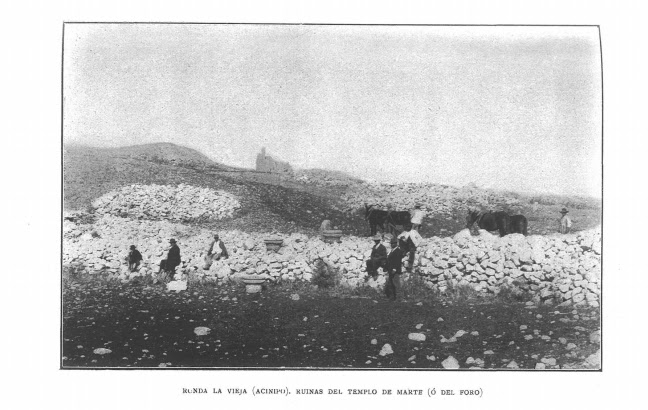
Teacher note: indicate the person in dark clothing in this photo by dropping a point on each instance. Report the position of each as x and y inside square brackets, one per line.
[134, 258]
[169, 264]
[394, 268]
[378, 258]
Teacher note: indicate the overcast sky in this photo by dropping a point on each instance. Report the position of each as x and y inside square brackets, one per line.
[516, 108]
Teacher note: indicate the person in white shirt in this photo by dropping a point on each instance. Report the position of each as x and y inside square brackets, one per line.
[413, 240]
[215, 251]
[417, 217]
[565, 222]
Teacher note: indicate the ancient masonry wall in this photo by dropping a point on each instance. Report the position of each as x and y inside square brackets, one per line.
[562, 268]
[266, 163]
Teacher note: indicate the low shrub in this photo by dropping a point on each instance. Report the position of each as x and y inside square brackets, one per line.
[513, 293]
[414, 287]
[324, 275]
[461, 293]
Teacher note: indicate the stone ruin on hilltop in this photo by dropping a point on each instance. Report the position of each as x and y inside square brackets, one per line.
[265, 163]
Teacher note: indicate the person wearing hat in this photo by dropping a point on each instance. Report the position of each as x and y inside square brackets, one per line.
[565, 222]
[134, 258]
[378, 258]
[417, 217]
[169, 264]
[394, 268]
[215, 251]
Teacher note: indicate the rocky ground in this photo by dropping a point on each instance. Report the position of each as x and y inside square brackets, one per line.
[453, 312]
[111, 324]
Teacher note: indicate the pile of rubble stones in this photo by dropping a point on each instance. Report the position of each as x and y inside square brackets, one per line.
[176, 203]
[556, 268]
[441, 199]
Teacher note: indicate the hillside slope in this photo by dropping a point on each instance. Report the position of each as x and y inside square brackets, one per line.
[268, 202]
[299, 203]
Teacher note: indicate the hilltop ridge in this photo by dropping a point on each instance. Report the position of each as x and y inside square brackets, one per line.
[299, 201]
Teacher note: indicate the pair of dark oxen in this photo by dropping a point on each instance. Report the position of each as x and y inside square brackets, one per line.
[490, 221]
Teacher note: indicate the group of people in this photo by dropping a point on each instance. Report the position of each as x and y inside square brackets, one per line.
[401, 245]
[406, 244]
[215, 251]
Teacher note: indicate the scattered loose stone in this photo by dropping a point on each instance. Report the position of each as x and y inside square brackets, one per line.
[460, 333]
[595, 337]
[594, 359]
[450, 363]
[386, 349]
[202, 331]
[418, 337]
[177, 285]
[512, 365]
[549, 361]
[102, 350]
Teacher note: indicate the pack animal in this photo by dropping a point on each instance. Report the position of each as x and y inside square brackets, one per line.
[518, 224]
[387, 220]
[489, 221]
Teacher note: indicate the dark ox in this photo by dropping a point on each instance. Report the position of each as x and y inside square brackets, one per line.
[489, 221]
[518, 224]
[387, 220]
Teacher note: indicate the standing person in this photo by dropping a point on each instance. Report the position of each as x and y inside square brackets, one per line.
[565, 222]
[413, 240]
[378, 258]
[169, 264]
[417, 217]
[215, 251]
[394, 268]
[134, 259]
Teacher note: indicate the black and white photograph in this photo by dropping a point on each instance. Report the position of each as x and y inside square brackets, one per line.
[331, 196]
[309, 204]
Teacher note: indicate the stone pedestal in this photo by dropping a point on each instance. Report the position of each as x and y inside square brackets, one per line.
[273, 244]
[332, 236]
[253, 283]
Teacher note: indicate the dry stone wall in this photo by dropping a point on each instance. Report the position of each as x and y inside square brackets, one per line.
[175, 203]
[562, 268]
